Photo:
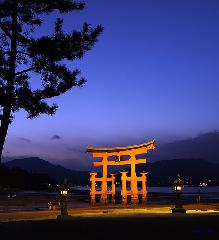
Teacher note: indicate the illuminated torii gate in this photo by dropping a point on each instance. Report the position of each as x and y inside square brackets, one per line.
[117, 153]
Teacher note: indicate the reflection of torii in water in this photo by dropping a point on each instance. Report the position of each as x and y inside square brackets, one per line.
[117, 153]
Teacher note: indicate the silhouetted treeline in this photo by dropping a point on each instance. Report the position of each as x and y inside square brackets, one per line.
[57, 172]
[18, 178]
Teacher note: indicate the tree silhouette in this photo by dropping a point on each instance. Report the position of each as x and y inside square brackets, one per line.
[22, 54]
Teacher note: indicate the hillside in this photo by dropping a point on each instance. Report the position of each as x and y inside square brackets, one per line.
[37, 165]
[160, 173]
[204, 146]
[193, 171]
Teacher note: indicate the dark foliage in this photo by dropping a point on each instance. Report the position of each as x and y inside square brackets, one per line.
[58, 172]
[21, 55]
[18, 178]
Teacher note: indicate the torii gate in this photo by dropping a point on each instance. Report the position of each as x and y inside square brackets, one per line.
[117, 153]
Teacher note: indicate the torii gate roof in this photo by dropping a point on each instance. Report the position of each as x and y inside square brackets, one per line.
[120, 149]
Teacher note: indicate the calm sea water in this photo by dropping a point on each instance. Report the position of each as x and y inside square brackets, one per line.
[210, 192]
[164, 194]
[186, 189]
[161, 195]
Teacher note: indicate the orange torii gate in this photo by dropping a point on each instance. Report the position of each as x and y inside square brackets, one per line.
[117, 153]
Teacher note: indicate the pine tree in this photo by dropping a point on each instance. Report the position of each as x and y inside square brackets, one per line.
[22, 54]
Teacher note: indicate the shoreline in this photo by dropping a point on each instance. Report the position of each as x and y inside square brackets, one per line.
[109, 211]
[121, 226]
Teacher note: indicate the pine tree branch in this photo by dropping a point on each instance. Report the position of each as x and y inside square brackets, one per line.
[21, 38]
[43, 55]
[3, 73]
[21, 52]
[4, 29]
[25, 71]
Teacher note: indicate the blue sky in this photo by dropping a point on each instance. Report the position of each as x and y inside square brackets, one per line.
[152, 74]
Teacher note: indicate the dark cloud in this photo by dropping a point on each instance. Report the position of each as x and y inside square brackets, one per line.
[55, 137]
[25, 139]
[71, 149]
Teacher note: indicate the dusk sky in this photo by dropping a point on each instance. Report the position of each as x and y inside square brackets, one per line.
[154, 73]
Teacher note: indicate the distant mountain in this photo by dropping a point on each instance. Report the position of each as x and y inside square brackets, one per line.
[193, 171]
[160, 173]
[57, 172]
[204, 146]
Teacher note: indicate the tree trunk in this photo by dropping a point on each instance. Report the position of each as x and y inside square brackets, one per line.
[4, 128]
[10, 83]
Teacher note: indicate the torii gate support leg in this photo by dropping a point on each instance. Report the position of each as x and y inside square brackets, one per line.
[93, 188]
[124, 188]
[113, 188]
[144, 189]
[104, 182]
[134, 186]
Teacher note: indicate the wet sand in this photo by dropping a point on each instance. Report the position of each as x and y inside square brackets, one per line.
[130, 226]
[35, 203]
[154, 221]
[40, 202]
[85, 210]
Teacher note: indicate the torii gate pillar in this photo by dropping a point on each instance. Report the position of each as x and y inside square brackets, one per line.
[124, 188]
[134, 185]
[104, 181]
[93, 187]
[144, 184]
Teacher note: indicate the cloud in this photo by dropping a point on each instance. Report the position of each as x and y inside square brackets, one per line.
[71, 149]
[55, 137]
[25, 139]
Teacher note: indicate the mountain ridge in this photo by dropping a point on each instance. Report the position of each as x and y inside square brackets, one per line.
[57, 172]
[160, 173]
[204, 146]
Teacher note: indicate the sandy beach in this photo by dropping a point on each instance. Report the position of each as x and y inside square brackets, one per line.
[105, 222]
[99, 224]
[36, 208]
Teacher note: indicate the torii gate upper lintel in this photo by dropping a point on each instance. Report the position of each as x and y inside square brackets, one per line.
[117, 152]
